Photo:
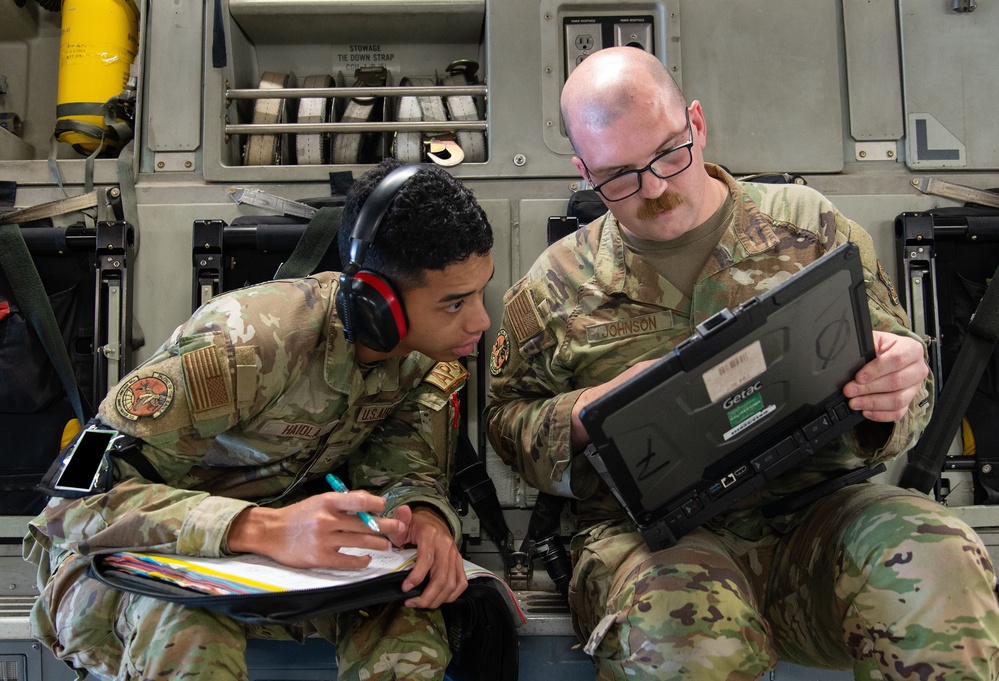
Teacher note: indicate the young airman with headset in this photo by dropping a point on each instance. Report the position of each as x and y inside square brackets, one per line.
[258, 396]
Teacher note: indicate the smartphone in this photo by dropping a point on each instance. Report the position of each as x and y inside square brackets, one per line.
[86, 461]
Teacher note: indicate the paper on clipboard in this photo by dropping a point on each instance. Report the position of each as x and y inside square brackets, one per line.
[256, 574]
[253, 588]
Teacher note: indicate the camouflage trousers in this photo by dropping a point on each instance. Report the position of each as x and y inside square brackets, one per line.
[115, 635]
[874, 578]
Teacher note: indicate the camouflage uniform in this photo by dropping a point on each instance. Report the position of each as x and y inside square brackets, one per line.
[871, 577]
[252, 398]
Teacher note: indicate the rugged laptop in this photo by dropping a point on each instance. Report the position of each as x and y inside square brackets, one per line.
[754, 391]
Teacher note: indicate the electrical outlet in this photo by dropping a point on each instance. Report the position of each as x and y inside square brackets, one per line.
[634, 34]
[583, 37]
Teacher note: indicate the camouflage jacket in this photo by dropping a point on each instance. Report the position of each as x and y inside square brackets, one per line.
[589, 308]
[257, 394]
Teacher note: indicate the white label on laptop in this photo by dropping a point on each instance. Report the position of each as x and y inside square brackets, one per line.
[739, 368]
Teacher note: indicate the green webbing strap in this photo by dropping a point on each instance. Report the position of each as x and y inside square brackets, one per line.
[34, 303]
[126, 183]
[926, 460]
[319, 234]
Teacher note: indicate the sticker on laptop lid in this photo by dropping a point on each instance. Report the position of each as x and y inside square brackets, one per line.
[745, 408]
[738, 369]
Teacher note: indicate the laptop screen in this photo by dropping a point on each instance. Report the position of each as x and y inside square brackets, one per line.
[754, 390]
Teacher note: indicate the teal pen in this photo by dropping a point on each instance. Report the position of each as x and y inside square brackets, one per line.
[338, 486]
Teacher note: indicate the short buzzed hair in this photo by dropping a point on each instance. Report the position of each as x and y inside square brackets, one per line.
[602, 88]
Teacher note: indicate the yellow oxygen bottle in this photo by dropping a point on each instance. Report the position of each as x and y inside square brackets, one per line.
[99, 42]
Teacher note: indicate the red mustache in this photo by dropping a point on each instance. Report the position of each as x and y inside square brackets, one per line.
[668, 200]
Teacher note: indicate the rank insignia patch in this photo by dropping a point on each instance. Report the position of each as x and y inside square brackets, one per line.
[500, 353]
[886, 280]
[446, 376]
[144, 396]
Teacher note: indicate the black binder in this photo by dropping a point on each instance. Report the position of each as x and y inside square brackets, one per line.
[265, 608]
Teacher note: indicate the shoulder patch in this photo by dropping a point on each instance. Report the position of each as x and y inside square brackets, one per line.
[524, 315]
[500, 353]
[446, 376]
[144, 396]
[886, 280]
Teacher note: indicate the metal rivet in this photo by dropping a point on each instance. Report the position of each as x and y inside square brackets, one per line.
[188, 164]
[161, 164]
[862, 154]
[891, 153]
[519, 160]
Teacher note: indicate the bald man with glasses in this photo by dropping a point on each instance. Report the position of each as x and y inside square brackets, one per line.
[871, 577]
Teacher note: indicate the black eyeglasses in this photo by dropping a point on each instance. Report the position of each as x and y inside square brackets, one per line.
[664, 166]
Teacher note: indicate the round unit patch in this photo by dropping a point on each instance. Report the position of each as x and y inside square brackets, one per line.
[500, 353]
[144, 396]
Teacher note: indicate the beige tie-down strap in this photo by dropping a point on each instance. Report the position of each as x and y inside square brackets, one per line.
[350, 147]
[265, 150]
[409, 147]
[314, 149]
[464, 108]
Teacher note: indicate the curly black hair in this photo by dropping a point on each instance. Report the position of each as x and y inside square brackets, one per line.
[432, 222]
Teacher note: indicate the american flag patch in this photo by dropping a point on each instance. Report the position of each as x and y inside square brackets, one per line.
[206, 384]
[524, 316]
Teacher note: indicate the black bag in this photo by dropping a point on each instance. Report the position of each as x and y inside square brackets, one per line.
[585, 205]
[962, 244]
[483, 634]
[34, 405]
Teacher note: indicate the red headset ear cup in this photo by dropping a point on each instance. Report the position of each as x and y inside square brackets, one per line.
[379, 320]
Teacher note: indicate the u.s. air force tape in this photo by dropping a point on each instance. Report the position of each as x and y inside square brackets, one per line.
[409, 145]
[265, 150]
[314, 149]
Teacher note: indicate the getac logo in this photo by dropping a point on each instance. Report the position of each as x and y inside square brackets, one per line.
[739, 397]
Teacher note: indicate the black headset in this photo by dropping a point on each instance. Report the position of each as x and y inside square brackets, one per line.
[368, 304]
